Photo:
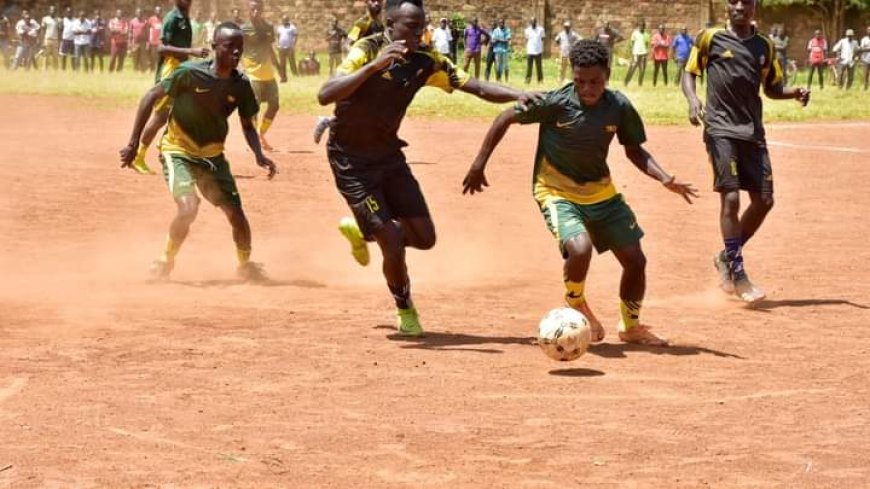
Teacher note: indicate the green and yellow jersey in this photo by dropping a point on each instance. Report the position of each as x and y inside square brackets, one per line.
[365, 26]
[201, 104]
[257, 58]
[367, 122]
[735, 70]
[177, 32]
[574, 141]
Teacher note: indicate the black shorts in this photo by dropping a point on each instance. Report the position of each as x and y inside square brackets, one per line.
[67, 48]
[377, 190]
[739, 165]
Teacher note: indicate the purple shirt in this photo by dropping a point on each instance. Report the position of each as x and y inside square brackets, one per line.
[473, 38]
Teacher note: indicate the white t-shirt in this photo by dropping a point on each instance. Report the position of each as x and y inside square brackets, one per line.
[846, 50]
[68, 30]
[441, 40]
[50, 23]
[566, 40]
[865, 44]
[82, 25]
[535, 40]
[287, 35]
[30, 28]
[639, 45]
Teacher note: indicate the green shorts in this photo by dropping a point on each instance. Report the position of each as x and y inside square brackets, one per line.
[266, 91]
[610, 224]
[211, 176]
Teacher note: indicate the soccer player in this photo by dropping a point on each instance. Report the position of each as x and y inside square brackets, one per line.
[204, 94]
[572, 183]
[365, 26]
[372, 90]
[175, 47]
[737, 61]
[259, 62]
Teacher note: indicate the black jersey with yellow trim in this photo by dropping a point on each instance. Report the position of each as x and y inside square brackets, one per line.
[368, 121]
[735, 71]
[365, 26]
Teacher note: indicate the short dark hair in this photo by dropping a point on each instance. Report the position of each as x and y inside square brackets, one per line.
[586, 53]
[394, 4]
[230, 26]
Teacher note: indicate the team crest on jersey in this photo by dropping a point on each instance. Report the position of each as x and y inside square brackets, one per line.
[727, 54]
[387, 76]
[231, 99]
[611, 129]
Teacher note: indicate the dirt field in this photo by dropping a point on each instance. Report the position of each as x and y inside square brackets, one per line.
[108, 381]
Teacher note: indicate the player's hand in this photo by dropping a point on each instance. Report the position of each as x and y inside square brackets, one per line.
[128, 154]
[802, 95]
[200, 52]
[269, 165]
[684, 189]
[395, 51]
[474, 181]
[528, 99]
[696, 112]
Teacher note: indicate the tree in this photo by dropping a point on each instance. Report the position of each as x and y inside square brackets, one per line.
[832, 12]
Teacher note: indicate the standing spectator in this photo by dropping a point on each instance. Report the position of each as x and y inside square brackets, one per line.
[119, 35]
[335, 37]
[426, 40]
[98, 40]
[780, 46]
[51, 38]
[454, 41]
[501, 44]
[661, 44]
[865, 56]
[139, 27]
[27, 31]
[67, 39]
[236, 17]
[441, 38]
[565, 40]
[609, 37]
[260, 63]
[210, 27]
[287, 35]
[847, 50]
[473, 37]
[817, 49]
[82, 30]
[155, 31]
[5, 25]
[197, 27]
[534, 49]
[490, 51]
[682, 46]
[639, 53]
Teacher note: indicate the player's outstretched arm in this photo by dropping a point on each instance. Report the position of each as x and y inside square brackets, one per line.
[644, 161]
[779, 92]
[696, 108]
[128, 153]
[164, 49]
[493, 92]
[343, 86]
[250, 131]
[475, 179]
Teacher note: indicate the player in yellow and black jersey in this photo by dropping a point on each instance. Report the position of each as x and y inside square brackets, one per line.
[737, 61]
[371, 92]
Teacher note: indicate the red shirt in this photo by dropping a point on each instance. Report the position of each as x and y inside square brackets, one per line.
[119, 30]
[661, 46]
[817, 48]
[137, 30]
[155, 24]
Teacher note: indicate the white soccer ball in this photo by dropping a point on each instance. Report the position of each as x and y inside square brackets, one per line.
[564, 334]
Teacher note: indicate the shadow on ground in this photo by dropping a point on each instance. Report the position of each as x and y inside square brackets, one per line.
[769, 305]
[619, 350]
[437, 340]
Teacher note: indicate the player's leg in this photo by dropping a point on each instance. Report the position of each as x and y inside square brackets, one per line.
[723, 155]
[267, 92]
[756, 177]
[180, 178]
[632, 288]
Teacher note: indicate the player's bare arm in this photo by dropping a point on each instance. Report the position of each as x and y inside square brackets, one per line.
[165, 49]
[249, 129]
[146, 105]
[644, 161]
[696, 108]
[493, 92]
[475, 179]
[341, 87]
[780, 92]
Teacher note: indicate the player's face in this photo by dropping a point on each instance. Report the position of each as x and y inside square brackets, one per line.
[589, 82]
[375, 7]
[407, 23]
[255, 10]
[183, 4]
[741, 12]
[228, 48]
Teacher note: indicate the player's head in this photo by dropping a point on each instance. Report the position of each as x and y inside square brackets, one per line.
[255, 9]
[741, 12]
[406, 21]
[183, 5]
[374, 7]
[591, 66]
[228, 44]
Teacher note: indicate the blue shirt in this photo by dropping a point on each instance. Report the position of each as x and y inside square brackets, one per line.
[683, 45]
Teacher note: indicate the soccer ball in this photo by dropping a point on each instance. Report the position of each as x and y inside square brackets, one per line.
[564, 334]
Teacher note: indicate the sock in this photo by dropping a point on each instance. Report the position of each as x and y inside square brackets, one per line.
[629, 311]
[574, 293]
[143, 150]
[265, 124]
[402, 295]
[244, 256]
[734, 256]
[170, 249]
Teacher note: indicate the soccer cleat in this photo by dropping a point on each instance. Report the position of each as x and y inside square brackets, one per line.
[160, 270]
[252, 272]
[359, 248]
[726, 283]
[320, 127]
[746, 291]
[141, 167]
[409, 322]
[640, 335]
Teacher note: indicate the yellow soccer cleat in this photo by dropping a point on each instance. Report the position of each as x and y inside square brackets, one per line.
[359, 248]
[141, 167]
[409, 322]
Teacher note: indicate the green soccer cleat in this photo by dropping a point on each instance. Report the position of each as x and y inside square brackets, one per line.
[409, 322]
[359, 248]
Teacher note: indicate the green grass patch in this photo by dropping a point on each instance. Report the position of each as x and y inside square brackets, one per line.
[657, 105]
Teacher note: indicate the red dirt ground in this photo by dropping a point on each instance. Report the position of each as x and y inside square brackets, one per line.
[108, 381]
